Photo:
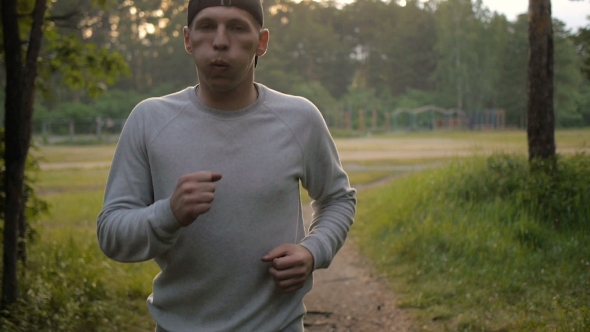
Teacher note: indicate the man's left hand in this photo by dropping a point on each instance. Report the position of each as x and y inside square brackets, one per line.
[292, 264]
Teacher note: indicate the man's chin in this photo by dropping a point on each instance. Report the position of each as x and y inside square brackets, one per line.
[220, 87]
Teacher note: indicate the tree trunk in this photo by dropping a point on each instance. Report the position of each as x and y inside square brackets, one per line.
[13, 63]
[541, 118]
[20, 93]
[22, 233]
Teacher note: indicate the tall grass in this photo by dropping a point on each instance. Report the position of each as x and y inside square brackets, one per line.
[486, 245]
[68, 284]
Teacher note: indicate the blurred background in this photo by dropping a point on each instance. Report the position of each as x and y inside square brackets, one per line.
[427, 101]
[358, 62]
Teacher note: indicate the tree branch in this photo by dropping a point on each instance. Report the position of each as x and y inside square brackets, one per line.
[64, 17]
[35, 42]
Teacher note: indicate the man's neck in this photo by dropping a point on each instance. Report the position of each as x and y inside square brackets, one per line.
[233, 100]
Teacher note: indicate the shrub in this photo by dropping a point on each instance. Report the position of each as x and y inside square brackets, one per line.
[556, 192]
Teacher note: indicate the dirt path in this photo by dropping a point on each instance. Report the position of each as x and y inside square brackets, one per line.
[351, 295]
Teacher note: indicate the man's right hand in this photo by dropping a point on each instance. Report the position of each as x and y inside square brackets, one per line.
[193, 196]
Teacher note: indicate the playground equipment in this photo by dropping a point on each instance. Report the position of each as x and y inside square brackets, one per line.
[488, 119]
[437, 118]
[424, 118]
[433, 118]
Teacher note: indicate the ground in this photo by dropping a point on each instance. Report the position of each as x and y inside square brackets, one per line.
[351, 296]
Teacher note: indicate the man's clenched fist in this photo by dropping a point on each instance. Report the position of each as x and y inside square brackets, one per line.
[292, 264]
[193, 196]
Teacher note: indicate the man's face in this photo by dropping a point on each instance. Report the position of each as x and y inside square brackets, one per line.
[223, 41]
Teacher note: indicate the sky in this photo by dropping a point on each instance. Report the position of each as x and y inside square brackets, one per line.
[573, 13]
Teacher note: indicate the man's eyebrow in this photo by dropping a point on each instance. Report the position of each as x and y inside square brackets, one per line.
[238, 20]
[234, 20]
[204, 19]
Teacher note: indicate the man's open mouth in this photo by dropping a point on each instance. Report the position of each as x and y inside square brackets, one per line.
[219, 64]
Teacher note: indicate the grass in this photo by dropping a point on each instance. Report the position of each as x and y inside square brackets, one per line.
[565, 138]
[69, 285]
[357, 178]
[64, 180]
[72, 281]
[468, 250]
[65, 154]
[427, 146]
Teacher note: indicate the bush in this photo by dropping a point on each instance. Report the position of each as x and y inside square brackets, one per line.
[556, 191]
[70, 286]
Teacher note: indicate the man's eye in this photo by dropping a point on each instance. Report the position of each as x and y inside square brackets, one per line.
[205, 27]
[238, 28]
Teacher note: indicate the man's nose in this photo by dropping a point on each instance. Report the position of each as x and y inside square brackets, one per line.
[221, 40]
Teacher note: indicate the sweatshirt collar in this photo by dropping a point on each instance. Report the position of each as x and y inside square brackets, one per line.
[224, 114]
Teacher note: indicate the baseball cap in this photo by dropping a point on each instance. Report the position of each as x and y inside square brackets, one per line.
[254, 7]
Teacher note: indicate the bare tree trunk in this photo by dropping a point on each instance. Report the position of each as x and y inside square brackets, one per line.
[13, 63]
[20, 93]
[541, 118]
[22, 234]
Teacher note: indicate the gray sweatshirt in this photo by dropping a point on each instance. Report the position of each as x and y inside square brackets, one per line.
[212, 277]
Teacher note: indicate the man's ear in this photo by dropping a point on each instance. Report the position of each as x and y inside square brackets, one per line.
[187, 40]
[262, 42]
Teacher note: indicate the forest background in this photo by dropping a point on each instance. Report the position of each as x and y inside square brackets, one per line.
[363, 56]
[366, 55]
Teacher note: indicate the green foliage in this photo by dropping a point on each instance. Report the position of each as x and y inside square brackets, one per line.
[66, 58]
[359, 98]
[113, 104]
[554, 192]
[583, 103]
[582, 41]
[568, 77]
[317, 94]
[451, 54]
[35, 205]
[306, 47]
[474, 245]
[512, 88]
[81, 66]
[416, 98]
[464, 70]
[71, 286]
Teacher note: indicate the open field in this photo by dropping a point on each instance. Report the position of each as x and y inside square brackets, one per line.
[440, 145]
[391, 149]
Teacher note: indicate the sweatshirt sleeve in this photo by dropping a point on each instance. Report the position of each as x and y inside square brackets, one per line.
[334, 201]
[132, 227]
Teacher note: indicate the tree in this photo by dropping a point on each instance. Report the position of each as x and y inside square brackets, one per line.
[149, 34]
[20, 92]
[541, 118]
[512, 87]
[457, 28]
[472, 46]
[308, 48]
[82, 66]
[568, 78]
[582, 42]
